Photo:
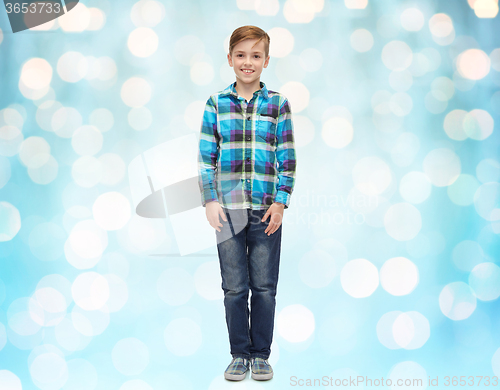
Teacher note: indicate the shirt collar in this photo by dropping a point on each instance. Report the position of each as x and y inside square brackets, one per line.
[231, 90]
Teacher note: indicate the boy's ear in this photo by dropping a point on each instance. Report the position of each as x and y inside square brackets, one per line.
[229, 59]
[267, 61]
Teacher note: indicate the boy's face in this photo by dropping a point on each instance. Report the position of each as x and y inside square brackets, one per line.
[247, 57]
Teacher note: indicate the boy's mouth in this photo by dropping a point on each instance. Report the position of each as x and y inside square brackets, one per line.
[247, 71]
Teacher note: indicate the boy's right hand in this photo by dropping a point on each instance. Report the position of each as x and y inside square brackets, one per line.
[213, 211]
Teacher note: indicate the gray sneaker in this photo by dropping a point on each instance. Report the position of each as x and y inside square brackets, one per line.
[261, 369]
[237, 369]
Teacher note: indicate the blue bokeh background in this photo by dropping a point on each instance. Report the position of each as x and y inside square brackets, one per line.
[390, 249]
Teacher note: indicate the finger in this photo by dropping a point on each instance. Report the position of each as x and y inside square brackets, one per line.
[265, 216]
[271, 228]
[276, 227]
[223, 215]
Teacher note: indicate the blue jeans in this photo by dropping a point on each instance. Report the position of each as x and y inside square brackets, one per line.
[249, 260]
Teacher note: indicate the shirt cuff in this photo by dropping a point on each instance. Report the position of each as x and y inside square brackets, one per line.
[282, 197]
[208, 196]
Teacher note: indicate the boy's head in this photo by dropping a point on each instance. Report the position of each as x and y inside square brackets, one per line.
[248, 50]
[249, 32]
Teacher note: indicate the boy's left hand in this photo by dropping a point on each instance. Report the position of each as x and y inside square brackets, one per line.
[276, 213]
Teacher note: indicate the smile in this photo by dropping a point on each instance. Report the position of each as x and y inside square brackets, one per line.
[247, 71]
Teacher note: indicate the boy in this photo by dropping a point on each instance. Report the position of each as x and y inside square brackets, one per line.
[247, 128]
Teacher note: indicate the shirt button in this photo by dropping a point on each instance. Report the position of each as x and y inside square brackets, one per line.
[248, 118]
[248, 180]
[248, 138]
[248, 158]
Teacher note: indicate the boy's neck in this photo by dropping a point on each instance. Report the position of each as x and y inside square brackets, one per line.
[246, 90]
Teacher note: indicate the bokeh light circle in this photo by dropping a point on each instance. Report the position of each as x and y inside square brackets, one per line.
[337, 132]
[112, 169]
[487, 170]
[484, 279]
[102, 119]
[359, 278]
[399, 276]
[88, 240]
[457, 301]
[412, 19]
[361, 40]
[87, 171]
[111, 210]
[9, 380]
[49, 370]
[87, 140]
[72, 66]
[487, 200]
[143, 42]
[136, 92]
[283, 42]
[461, 191]
[34, 152]
[402, 221]
[90, 290]
[473, 64]
[371, 175]
[442, 166]
[295, 323]
[36, 73]
[415, 187]
[397, 55]
[10, 221]
[478, 124]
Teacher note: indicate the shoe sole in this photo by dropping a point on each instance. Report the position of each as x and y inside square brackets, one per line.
[235, 377]
[262, 377]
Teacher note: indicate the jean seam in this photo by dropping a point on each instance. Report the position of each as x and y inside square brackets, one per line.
[239, 355]
[255, 355]
[248, 314]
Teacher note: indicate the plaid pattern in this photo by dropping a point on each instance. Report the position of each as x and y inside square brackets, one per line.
[261, 369]
[247, 150]
[237, 369]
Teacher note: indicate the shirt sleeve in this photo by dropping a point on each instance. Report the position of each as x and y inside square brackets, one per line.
[285, 154]
[208, 154]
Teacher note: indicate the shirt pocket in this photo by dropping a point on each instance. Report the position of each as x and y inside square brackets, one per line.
[266, 130]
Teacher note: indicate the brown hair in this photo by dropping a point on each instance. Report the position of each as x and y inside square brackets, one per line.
[249, 32]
